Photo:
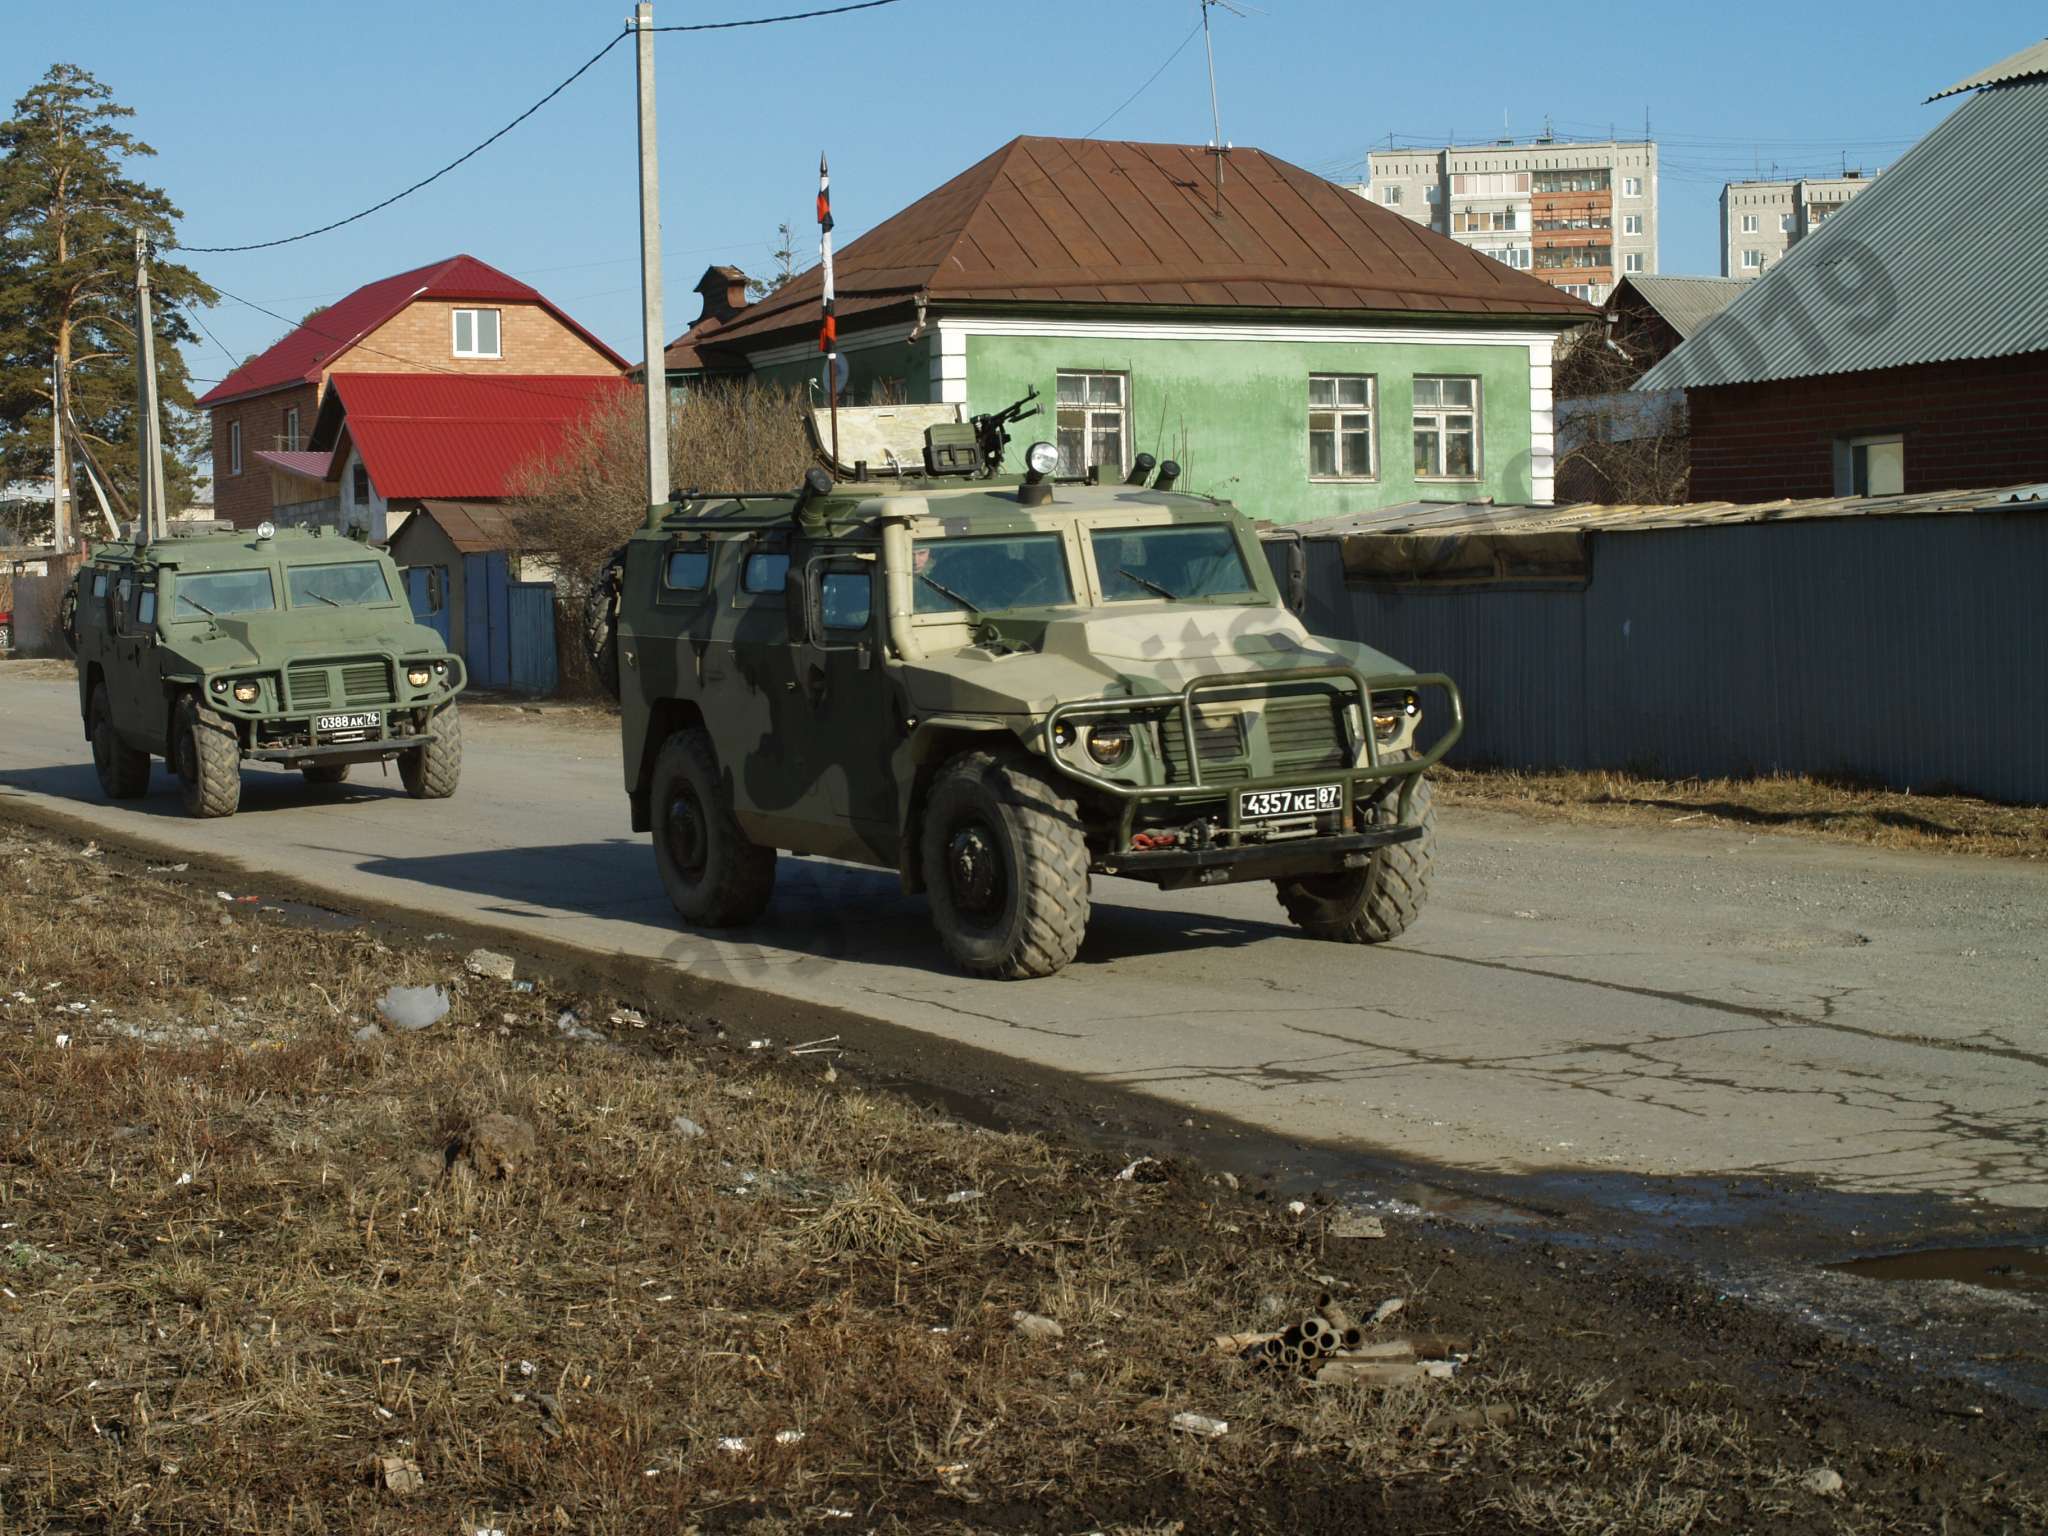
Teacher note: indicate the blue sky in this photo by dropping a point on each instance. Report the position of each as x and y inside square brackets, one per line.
[271, 118]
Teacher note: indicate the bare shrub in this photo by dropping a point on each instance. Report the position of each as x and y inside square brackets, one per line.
[1615, 447]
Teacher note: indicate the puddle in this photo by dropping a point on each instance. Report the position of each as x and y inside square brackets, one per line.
[2001, 1269]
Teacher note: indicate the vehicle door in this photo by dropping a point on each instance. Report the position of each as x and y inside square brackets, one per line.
[849, 717]
[134, 673]
[750, 696]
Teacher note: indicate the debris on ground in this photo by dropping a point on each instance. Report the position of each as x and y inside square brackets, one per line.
[1824, 1482]
[1033, 1326]
[685, 1127]
[496, 1146]
[1351, 1223]
[1145, 1170]
[413, 1008]
[570, 1025]
[490, 965]
[400, 1474]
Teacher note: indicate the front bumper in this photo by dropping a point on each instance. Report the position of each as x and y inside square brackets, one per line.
[384, 749]
[1174, 868]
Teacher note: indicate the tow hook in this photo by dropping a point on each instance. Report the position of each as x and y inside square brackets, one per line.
[1144, 840]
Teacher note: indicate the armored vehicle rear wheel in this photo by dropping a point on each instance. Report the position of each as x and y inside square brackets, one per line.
[123, 771]
[208, 756]
[715, 876]
[432, 772]
[325, 773]
[1006, 865]
[1376, 903]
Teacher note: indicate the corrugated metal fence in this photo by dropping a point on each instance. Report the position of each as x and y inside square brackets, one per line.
[1908, 650]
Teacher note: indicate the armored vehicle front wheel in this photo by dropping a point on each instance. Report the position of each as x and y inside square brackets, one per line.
[1376, 903]
[715, 876]
[432, 772]
[1006, 864]
[123, 771]
[208, 756]
[325, 773]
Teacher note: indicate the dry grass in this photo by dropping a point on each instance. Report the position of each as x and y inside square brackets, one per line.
[253, 1269]
[1812, 807]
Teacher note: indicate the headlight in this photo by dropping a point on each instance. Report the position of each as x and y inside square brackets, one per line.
[440, 667]
[245, 691]
[220, 685]
[1110, 743]
[1041, 458]
[417, 676]
[1391, 713]
[1063, 735]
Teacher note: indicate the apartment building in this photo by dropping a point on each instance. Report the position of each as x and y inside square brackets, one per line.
[1762, 220]
[1580, 216]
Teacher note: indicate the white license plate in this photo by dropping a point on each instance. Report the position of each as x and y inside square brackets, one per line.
[362, 722]
[1263, 804]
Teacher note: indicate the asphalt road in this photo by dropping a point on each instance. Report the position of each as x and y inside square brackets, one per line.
[1660, 1002]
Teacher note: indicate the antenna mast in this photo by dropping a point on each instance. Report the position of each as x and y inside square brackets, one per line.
[1216, 145]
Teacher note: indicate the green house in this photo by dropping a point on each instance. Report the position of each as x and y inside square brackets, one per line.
[1294, 347]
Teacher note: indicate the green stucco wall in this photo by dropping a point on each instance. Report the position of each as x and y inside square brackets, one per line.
[907, 361]
[1235, 413]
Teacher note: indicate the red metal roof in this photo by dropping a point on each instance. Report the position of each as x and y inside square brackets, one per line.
[452, 437]
[303, 355]
[307, 465]
[1090, 221]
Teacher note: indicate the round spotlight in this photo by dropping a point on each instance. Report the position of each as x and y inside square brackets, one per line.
[266, 530]
[1041, 458]
[417, 676]
[245, 691]
[1109, 743]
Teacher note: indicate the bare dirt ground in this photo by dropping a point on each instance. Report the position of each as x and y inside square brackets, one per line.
[561, 1261]
[1809, 807]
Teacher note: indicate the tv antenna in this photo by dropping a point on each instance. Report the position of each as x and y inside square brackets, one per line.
[1217, 147]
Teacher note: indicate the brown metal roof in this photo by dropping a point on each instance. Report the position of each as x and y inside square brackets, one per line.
[473, 526]
[1090, 221]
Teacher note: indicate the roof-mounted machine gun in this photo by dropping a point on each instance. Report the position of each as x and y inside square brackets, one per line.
[992, 430]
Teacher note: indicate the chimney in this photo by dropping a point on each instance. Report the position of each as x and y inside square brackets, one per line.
[724, 291]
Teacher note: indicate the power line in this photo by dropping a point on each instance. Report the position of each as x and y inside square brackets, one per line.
[584, 68]
[1149, 81]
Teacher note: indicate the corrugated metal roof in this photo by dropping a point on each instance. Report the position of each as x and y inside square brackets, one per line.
[304, 354]
[1686, 303]
[1478, 517]
[1937, 262]
[453, 438]
[1090, 221]
[2028, 61]
[309, 466]
[472, 527]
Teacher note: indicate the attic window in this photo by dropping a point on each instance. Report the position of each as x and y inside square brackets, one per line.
[476, 333]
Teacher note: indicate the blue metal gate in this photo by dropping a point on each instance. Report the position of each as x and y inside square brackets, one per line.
[508, 627]
[426, 587]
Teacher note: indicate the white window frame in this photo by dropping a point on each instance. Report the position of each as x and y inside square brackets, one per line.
[1787, 222]
[455, 319]
[1440, 420]
[1752, 261]
[291, 429]
[1631, 186]
[1751, 225]
[1632, 261]
[1091, 414]
[1343, 421]
[234, 447]
[1845, 463]
[1390, 196]
[1631, 223]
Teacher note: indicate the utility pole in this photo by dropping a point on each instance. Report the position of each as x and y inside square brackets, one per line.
[150, 514]
[650, 264]
[60, 465]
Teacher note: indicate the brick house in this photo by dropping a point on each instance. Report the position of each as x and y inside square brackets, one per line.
[458, 317]
[1298, 349]
[1903, 346]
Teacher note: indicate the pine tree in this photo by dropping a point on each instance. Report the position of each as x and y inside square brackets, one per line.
[68, 213]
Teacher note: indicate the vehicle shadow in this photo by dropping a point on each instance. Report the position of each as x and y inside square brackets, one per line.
[263, 789]
[821, 910]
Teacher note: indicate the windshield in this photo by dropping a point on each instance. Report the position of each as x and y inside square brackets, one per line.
[209, 594]
[1170, 560]
[979, 575]
[342, 585]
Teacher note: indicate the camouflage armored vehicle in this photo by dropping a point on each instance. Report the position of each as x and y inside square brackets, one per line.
[997, 688]
[297, 648]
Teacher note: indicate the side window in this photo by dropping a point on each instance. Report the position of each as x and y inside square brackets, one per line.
[765, 571]
[686, 570]
[99, 584]
[846, 599]
[145, 609]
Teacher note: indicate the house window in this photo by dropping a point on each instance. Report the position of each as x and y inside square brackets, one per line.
[290, 438]
[1092, 412]
[1447, 428]
[1632, 262]
[1631, 186]
[1870, 466]
[1749, 223]
[1393, 195]
[476, 333]
[1340, 434]
[1786, 223]
[234, 447]
[1631, 223]
[359, 484]
[1752, 261]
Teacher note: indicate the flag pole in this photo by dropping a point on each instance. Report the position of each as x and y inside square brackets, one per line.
[828, 334]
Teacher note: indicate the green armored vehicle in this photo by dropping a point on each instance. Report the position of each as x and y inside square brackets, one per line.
[998, 688]
[206, 648]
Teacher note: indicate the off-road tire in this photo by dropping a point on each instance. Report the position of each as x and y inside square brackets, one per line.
[1376, 903]
[326, 773]
[208, 757]
[601, 622]
[716, 877]
[432, 772]
[982, 805]
[123, 771]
